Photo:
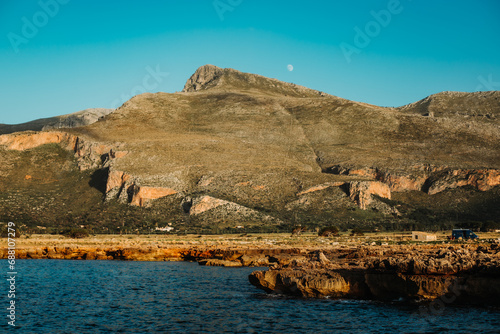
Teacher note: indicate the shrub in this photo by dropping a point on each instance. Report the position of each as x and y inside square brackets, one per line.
[4, 232]
[298, 230]
[328, 231]
[356, 231]
[76, 233]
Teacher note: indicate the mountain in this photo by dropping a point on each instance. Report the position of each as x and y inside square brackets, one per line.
[484, 106]
[239, 149]
[80, 118]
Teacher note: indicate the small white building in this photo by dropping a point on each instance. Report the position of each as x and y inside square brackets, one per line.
[423, 236]
[164, 229]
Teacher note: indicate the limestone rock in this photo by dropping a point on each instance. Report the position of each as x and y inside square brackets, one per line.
[206, 203]
[219, 263]
[28, 140]
[254, 260]
[481, 179]
[81, 118]
[362, 191]
[204, 76]
[142, 195]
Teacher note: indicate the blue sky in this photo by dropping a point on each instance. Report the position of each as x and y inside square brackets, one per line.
[61, 56]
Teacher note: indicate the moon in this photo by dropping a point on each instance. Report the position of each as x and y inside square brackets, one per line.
[290, 67]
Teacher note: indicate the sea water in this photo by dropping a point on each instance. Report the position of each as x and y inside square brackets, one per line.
[66, 296]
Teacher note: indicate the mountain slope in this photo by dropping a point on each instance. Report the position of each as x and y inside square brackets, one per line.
[277, 154]
[80, 118]
[483, 106]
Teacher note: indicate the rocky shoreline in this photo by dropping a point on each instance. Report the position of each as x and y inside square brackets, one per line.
[212, 256]
[462, 273]
[468, 274]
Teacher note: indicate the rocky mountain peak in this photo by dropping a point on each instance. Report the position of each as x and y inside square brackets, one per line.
[228, 79]
[205, 76]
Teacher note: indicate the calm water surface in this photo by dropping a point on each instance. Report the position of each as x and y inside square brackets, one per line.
[61, 296]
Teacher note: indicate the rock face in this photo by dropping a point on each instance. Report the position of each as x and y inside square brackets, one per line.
[321, 187]
[469, 275]
[119, 185]
[115, 182]
[208, 256]
[29, 140]
[100, 253]
[316, 284]
[89, 154]
[204, 77]
[430, 179]
[362, 192]
[215, 209]
[126, 189]
[482, 180]
[142, 195]
[206, 203]
[81, 118]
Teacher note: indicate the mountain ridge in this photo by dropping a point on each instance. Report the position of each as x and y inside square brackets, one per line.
[79, 118]
[449, 104]
[210, 77]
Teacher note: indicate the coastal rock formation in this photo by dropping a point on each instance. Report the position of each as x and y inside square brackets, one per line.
[219, 263]
[99, 253]
[209, 256]
[315, 284]
[468, 274]
[464, 273]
